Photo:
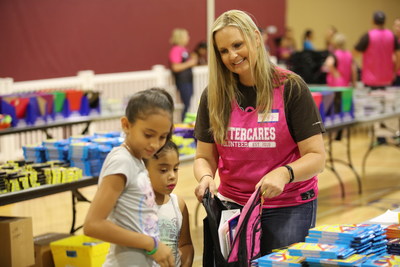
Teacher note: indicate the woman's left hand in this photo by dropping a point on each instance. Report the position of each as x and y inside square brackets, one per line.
[273, 183]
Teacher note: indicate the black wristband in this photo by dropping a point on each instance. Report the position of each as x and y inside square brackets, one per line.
[290, 173]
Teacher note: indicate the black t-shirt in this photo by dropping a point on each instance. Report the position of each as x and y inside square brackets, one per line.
[302, 116]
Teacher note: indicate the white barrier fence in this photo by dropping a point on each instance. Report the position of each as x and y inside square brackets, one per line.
[115, 89]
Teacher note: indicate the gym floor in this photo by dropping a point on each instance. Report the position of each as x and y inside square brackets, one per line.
[380, 191]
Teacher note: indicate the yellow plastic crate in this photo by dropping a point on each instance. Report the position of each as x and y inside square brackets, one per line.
[79, 251]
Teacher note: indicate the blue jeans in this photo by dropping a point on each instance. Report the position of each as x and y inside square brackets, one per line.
[284, 226]
[186, 92]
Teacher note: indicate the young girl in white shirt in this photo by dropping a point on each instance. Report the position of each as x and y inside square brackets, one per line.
[173, 216]
[123, 211]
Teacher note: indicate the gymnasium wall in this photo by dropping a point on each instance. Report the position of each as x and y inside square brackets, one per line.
[51, 38]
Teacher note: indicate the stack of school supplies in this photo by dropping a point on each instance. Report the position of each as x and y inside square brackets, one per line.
[382, 260]
[281, 258]
[39, 168]
[80, 138]
[320, 250]
[393, 246]
[103, 152]
[58, 175]
[35, 153]
[393, 231]
[56, 149]
[3, 185]
[86, 152]
[186, 146]
[85, 156]
[353, 260]
[184, 138]
[107, 134]
[108, 141]
[363, 238]
[20, 175]
[105, 144]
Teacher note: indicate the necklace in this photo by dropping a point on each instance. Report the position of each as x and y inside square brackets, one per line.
[128, 148]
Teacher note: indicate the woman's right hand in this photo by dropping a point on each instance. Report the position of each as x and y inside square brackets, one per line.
[205, 182]
[164, 256]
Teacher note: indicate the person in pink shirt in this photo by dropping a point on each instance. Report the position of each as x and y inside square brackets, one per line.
[381, 54]
[396, 31]
[380, 62]
[181, 63]
[258, 126]
[340, 67]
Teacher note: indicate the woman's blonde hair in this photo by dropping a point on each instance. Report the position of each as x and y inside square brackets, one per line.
[339, 40]
[178, 36]
[222, 83]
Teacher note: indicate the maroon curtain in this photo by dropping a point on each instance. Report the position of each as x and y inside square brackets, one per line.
[52, 38]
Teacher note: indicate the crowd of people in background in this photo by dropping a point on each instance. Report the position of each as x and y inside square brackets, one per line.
[336, 61]
[339, 60]
[334, 65]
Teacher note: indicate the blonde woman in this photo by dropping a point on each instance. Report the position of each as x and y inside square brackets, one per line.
[181, 64]
[258, 126]
[340, 67]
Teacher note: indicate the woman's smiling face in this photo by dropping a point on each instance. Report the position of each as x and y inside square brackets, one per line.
[235, 52]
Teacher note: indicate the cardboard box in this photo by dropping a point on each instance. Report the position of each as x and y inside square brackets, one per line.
[43, 256]
[16, 246]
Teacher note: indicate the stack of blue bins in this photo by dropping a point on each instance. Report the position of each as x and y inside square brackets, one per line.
[35, 153]
[105, 144]
[84, 155]
[56, 149]
[107, 134]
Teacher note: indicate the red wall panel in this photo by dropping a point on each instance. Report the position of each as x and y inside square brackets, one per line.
[52, 38]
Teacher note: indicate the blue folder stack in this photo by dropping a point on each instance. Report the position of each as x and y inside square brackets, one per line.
[85, 155]
[382, 260]
[363, 238]
[35, 153]
[56, 149]
[281, 258]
